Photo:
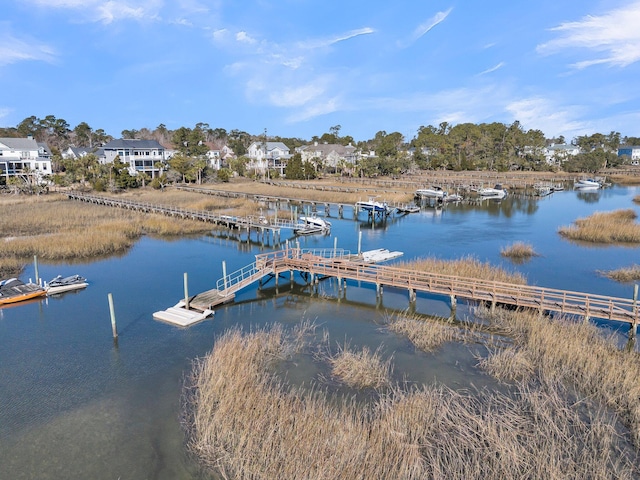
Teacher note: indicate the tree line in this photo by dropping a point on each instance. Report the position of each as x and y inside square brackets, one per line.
[466, 146]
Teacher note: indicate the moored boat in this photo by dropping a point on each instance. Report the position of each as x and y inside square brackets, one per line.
[62, 284]
[496, 192]
[587, 183]
[433, 192]
[13, 290]
[308, 225]
[372, 205]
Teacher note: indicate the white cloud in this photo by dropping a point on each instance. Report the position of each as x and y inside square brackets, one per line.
[320, 43]
[425, 27]
[615, 35]
[315, 110]
[296, 96]
[109, 11]
[13, 50]
[546, 115]
[244, 37]
[492, 69]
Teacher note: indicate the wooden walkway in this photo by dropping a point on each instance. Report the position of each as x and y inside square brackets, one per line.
[342, 265]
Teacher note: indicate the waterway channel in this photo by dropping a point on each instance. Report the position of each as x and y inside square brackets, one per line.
[76, 404]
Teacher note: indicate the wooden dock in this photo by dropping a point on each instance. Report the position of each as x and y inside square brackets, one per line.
[344, 266]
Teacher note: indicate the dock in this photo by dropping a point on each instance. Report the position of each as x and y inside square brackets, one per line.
[343, 265]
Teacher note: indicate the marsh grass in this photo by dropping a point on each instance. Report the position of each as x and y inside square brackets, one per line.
[244, 422]
[468, 267]
[624, 275]
[572, 353]
[628, 180]
[636, 199]
[359, 368]
[54, 228]
[518, 251]
[427, 335]
[618, 226]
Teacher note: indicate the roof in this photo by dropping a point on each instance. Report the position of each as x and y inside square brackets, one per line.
[132, 143]
[20, 143]
[326, 148]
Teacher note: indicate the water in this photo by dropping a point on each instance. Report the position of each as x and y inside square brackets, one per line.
[75, 405]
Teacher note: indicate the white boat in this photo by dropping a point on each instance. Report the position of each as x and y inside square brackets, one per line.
[62, 284]
[372, 205]
[379, 255]
[433, 192]
[587, 183]
[543, 190]
[308, 225]
[496, 192]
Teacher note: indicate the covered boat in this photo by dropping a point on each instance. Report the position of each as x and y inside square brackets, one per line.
[372, 205]
[433, 192]
[62, 284]
[496, 192]
[13, 290]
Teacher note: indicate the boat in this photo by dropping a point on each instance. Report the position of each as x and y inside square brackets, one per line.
[13, 290]
[557, 187]
[543, 190]
[62, 284]
[308, 225]
[496, 192]
[454, 197]
[433, 192]
[587, 183]
[373, 206]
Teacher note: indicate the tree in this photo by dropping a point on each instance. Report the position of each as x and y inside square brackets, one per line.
[83, 135]
[294, 169]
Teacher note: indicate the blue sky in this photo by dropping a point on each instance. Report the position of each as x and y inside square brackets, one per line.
[299, 67]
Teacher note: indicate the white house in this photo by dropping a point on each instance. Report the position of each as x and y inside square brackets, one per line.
[268, 155]
[331, 155]
[557, 154]
[19, 156]
[141, 155]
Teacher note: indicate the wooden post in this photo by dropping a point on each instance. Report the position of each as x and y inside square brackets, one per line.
[359, 242]
[412, 295]
[113, 317]
[35, 267]
[186, 291]
[224, 273]
[335, 246]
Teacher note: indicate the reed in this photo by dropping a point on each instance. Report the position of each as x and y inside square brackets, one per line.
[628, 180]
[424, 334]
[576, 354]
[468, 267]
[624, 275]
[243, 422]
[360, 369]
[636, 199]
[605, 227]
[519, 251]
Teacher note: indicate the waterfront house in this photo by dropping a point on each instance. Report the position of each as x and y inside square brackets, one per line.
[631, 152]
[24, 156]
[142, 156]
[557, 154]
[329, 155]
[264, 156]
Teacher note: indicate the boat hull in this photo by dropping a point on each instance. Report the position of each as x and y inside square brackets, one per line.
[21, 297]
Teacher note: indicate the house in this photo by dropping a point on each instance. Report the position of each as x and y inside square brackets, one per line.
[328, 154]
[75, 152]
[264, 156]
[556, 154]
[142, 156]
[23, 156]
[631, 152]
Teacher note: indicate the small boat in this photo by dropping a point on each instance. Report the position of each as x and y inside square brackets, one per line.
[62, 284]
[587, 183]
[372, 205]
[543, 190]
[496, 192]
[557, 188]
[454, 197]
[309, 225]
[13, 290]
[433, 192]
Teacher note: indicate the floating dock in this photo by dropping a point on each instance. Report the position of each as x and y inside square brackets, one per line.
[181, 316]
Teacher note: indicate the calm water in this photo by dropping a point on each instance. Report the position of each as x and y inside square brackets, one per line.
[74, 405]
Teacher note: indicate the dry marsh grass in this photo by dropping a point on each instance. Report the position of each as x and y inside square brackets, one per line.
[54, 228]
[624, 275]
[629, 180]
[518, 251]
[618, 226]
[575, 354]
[636, 199]
[468, 267]
[360, 368]
[243, 422]
[425, 335]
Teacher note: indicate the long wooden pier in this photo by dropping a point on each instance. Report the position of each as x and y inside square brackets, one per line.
[345, 266]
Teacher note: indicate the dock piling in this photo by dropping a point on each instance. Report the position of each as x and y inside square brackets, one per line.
[186, 290]
[113, 317]
[35, 267]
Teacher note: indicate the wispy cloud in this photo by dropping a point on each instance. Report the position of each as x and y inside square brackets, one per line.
[615, 35]
[325, 42]
[109, 11]
[424, 28]
[13, 49]
[547, 115]
[492, 69]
